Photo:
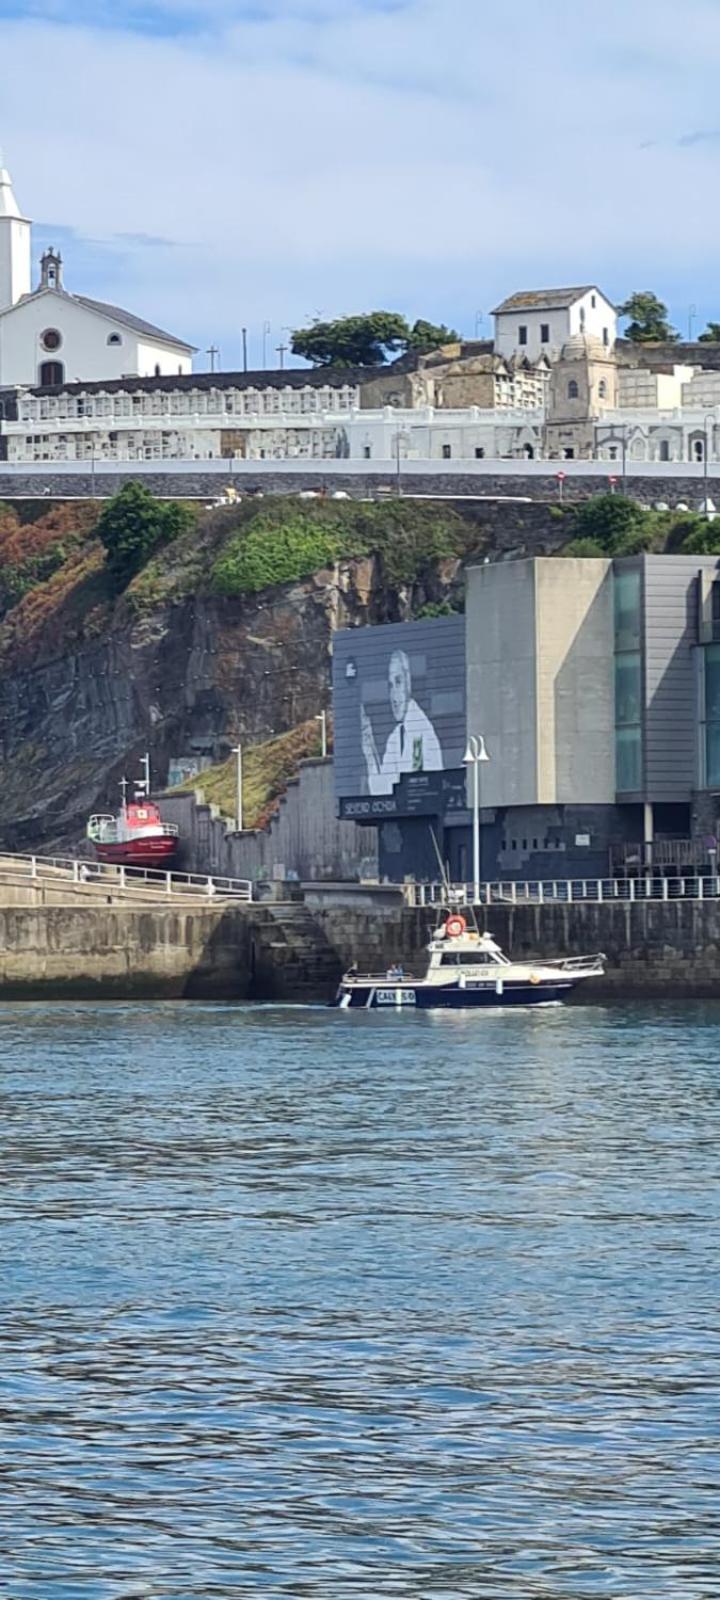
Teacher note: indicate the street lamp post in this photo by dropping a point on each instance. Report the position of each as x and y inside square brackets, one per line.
[238, 754]
[400, 438]
[474, 755]
[706, 454]
[322, 719]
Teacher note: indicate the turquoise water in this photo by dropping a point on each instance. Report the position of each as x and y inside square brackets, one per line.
[298, 1303]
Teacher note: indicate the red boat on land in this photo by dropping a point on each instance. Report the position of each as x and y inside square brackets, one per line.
[137, 837]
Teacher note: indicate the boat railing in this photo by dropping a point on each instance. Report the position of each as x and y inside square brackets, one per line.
[60, 872]
[566, 891]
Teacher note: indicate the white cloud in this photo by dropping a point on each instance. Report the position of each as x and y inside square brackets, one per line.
[430, 155]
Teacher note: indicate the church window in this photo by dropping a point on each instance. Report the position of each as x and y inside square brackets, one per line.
[544, 332]
[606, 336]
[602, 389]
[522, 333]
[51, 339]
[572, 390]
[51, 372]
[114, 338]
[593, 301]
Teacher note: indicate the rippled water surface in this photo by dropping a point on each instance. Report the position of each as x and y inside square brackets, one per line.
[303, 1303]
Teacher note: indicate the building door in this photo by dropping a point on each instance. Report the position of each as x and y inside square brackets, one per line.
[51, 372]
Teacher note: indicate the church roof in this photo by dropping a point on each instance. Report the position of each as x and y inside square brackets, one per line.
[129, 320]
[544, 299]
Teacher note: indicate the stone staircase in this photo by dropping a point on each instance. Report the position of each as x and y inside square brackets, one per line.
[291, 958]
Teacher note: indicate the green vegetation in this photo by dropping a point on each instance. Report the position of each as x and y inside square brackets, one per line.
[32, 552]
[711, 334]
[290, 540]
[611, 525]
[267, 770]
[133, 525]
[367, 340]
[648, 324]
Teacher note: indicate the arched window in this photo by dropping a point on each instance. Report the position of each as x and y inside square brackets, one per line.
[114, 338]
[572, 389]
[698, 450]
[528, 452]
[602, 389]
[51, 372]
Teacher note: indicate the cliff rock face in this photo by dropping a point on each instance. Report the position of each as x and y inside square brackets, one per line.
[89, 682]
[77, 710]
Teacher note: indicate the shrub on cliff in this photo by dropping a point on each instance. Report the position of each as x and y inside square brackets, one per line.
[273, 551]
[134, 525]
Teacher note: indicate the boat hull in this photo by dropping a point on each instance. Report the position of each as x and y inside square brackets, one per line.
[158, 852]
[436, 997]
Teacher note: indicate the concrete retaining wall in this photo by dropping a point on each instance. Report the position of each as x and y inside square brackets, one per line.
[304, 838]
[103, 953]
[671, 481]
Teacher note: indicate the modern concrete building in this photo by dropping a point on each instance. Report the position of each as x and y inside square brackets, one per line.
[596, 687]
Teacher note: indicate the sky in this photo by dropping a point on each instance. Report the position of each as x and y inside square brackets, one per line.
[219, 164]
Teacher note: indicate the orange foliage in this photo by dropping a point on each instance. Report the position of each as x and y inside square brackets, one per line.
[67, 524]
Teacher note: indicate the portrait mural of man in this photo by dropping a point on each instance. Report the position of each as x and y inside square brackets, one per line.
[399, 713]
[412, 746]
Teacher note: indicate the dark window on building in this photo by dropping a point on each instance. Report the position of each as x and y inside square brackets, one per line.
[114, 338]
[51, 372]
[602, 389]
[606, 336]
[447, 452]
[569, 453]
[367, 451]
[479, 453]
[664, 450]
[572, 390]
[593, 301]
[522, 333]
[157, 369]
[51, 339]
[698, 450]
[544, 332]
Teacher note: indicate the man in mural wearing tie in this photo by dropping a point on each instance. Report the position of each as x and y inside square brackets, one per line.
[413, 745]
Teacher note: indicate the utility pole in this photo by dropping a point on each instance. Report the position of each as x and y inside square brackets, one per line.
[244, 340]
[212, 353]
[266, 334]
[238, 754]
[692, 313]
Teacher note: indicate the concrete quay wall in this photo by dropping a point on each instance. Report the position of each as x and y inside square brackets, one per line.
[653, 949]
[104, 953]
[254, 952]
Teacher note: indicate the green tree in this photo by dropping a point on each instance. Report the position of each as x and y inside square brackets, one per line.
[367, 340]
[711, 334]
[134, 525]
[605, 525]
[362, 341]
[430, 335]
[648, 324]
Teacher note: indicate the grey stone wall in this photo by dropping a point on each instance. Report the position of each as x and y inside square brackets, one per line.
[202, 483]
[304, 838]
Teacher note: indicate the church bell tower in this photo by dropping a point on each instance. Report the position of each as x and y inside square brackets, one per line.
[15, 245]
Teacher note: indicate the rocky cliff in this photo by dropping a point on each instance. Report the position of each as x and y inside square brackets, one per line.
[90, 679]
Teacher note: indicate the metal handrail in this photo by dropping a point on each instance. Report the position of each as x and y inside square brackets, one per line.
[70, 869]
[568, 891]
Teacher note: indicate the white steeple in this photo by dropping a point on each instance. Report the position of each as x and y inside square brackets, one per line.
[15, 245]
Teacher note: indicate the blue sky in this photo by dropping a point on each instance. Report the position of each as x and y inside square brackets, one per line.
[214, 164]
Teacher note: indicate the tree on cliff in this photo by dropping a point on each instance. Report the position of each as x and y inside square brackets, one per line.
[134, 525]
[711, 334]
[367, 340]
[648, 316]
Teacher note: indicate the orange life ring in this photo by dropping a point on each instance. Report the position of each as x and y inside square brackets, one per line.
[455, 926]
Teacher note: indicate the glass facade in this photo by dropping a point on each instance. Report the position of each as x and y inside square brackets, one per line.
[628, 681]
[711, 690]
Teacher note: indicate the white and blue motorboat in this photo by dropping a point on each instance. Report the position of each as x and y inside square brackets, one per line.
[466, 969]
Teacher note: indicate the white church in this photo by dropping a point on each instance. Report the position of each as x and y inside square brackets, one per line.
[49, 336]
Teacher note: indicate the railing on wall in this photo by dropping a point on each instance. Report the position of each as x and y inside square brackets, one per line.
[64, 871]
[566, 891]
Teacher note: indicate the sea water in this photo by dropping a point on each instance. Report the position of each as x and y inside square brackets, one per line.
[307, 1303]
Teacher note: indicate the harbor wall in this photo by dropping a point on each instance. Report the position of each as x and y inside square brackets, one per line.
[663, 950]
[103, 952]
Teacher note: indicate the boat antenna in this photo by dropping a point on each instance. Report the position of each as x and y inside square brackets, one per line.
[441, 864]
